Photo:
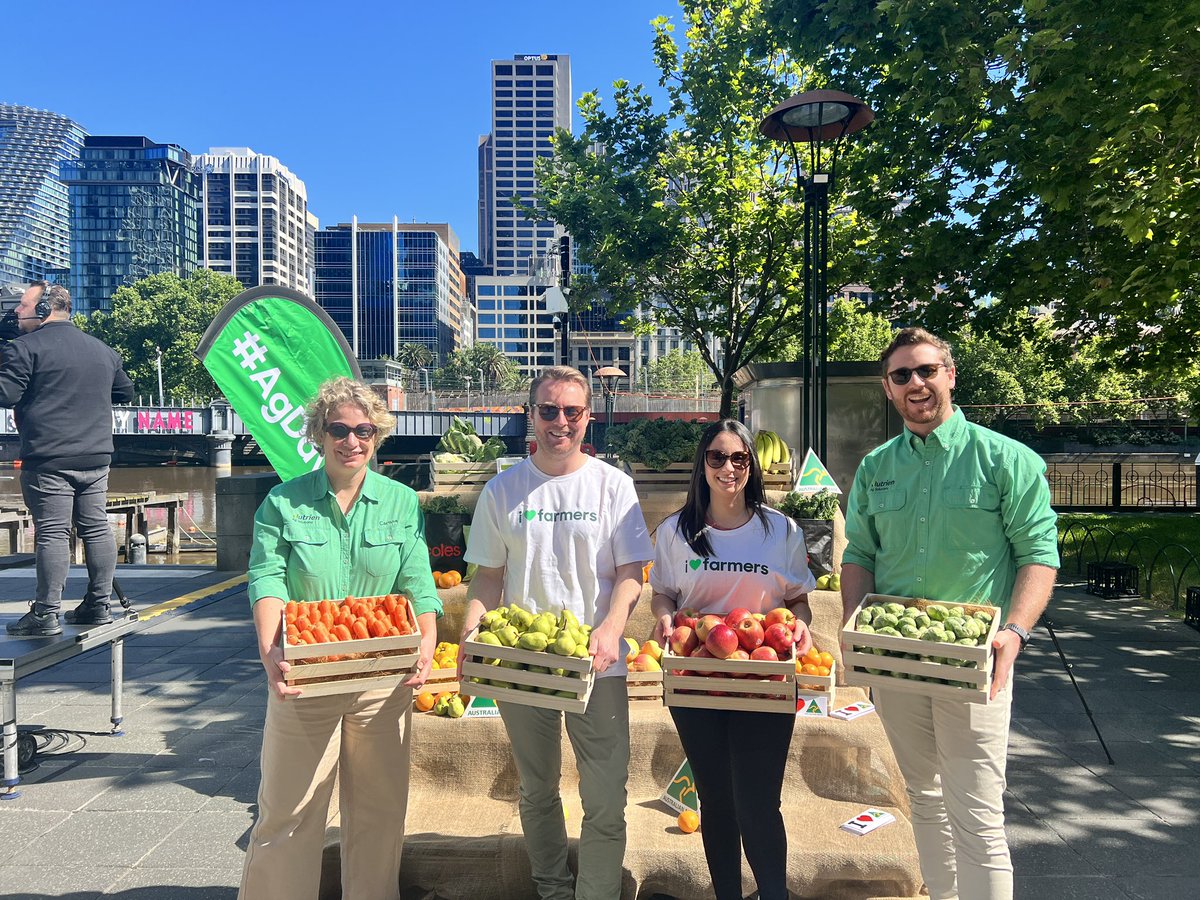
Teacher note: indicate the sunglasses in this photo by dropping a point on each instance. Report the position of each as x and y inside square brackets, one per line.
[340, 431]
[549, 412]
[716, 459]
[927, 373]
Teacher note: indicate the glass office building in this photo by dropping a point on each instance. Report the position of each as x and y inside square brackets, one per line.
[34, 211]
[511, 313]
[391, 284]
[135, 212]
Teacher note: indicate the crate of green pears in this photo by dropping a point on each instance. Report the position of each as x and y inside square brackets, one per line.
[541, 659]
[938, 649]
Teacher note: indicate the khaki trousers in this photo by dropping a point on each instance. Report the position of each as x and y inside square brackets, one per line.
[600, 739]
[953, 757]
[363, 739]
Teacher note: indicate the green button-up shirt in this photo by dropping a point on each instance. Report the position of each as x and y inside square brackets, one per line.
[306, 549]
[951, 517]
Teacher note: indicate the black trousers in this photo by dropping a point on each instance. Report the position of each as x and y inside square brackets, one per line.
[739, 759]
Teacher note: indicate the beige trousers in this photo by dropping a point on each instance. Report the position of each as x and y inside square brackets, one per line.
[363, 739]
[953, 756]
[600, 739]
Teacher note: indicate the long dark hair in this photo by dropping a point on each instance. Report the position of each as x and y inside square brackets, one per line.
[692, 515]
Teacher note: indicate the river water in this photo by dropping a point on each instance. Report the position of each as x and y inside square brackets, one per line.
[197, 517]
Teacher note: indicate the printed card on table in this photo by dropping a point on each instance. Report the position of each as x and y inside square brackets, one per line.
[867, 821]
[853, 711]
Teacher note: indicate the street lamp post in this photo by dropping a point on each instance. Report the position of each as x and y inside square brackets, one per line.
[819, 119]
[467, 379]
[158, 361]
[482, 396]
[608, 375]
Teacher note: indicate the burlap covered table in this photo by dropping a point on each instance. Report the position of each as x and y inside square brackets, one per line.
[464, 833]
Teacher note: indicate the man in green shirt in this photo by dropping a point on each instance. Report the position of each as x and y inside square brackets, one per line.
[951, 511]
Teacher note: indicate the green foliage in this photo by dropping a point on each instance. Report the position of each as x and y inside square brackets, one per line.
[167, 312]
[444, 504]
[656, 443]
[415, 356]
[1023, 153]
[855, 334]
[500, 373]
[676, 372]
[688, 213]
[821, 505]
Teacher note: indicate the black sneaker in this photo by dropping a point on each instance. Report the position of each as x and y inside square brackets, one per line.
[34, 625]
[89, 614]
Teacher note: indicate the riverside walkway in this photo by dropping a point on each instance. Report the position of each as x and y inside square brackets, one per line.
[163, 813]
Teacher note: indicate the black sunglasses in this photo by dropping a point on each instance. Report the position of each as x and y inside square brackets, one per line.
[340, 431]
[716, 459]
[927, 373]
[549, 412]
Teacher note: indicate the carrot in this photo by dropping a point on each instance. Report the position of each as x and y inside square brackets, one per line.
[389, 603]
[321, 633]
[359, 630]
[341, 632]
[306, 637]
[379, 628]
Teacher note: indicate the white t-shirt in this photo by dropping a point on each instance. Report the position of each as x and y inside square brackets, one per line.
[560, 538]
[751, 566]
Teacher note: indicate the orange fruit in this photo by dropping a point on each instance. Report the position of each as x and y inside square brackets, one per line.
[823, 670]
[827, 659]
[809, 669]
[688, 821]
[424, 701]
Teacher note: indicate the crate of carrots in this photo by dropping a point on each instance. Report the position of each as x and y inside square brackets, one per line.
[356, 644]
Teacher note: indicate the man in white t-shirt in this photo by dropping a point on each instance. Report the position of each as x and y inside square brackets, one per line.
[562, 530]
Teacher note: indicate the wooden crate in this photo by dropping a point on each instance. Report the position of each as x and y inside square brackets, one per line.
[441, 680]
[779, 476]
[768, 696]
[973, 681]
[377, 662]
[578, 683]
[644, 685]
[822, 688]
[451, 476]
[674, 478]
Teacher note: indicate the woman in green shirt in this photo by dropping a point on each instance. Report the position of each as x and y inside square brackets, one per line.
[341, 530]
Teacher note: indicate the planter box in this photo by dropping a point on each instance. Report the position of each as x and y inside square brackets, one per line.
[578, 683]
[685, 684]
[364, 665]
[815, 693]
[972, 681]
[645, 685]
[451, 476]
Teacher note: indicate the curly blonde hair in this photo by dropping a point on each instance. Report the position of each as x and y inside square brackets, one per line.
[342, 391]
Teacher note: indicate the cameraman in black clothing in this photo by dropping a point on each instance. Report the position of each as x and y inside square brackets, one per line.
[61, 384]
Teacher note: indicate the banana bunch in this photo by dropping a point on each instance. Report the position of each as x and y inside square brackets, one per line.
[770, 449]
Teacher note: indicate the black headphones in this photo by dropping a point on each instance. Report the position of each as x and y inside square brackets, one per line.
[42, 308]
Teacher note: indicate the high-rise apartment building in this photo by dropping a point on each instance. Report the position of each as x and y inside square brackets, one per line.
[255, 215]
[531, 99]
[391, 284]
[135, 211]
[512, 314]
[34, 212]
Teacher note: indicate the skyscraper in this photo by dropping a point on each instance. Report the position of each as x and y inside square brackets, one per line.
[255, 218]
[531, 99]
[34, 214]
[391, 284]
[135, 211]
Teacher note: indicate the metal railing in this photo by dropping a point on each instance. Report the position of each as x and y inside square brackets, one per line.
[1121, 485]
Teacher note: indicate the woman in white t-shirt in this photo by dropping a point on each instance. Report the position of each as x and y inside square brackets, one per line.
[726, 550]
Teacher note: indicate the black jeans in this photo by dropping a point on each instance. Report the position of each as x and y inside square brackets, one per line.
[739, 759]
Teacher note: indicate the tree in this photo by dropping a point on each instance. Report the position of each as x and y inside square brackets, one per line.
[678, 372]
[499, 372]
[1025, 152]
[688, 214]
[415, 356]
[169, 313]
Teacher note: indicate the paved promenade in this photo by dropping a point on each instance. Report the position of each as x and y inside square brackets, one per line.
[163, 812]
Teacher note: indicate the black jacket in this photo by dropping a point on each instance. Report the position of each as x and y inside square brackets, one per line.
[61, 384]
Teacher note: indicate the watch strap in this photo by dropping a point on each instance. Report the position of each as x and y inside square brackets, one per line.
[1018, 631]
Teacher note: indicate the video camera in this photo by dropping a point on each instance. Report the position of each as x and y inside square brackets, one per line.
[10, 296]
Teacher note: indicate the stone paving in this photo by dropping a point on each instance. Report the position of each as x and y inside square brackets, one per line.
[163, 813]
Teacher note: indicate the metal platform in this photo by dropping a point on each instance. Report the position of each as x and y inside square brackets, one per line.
[23, 656]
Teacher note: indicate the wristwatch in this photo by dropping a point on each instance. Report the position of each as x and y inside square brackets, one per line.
[1018, 631]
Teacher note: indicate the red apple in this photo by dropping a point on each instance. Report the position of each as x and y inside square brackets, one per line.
[702, 652]
[683, 641]
[686, 617]
[780, 614]
[706, 625]
[735, 618]
[750, 633]
[765, 654]
[721, 641]
[779, 638]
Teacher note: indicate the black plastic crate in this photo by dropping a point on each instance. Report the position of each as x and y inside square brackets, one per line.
[1191, 614]
[1113, 579]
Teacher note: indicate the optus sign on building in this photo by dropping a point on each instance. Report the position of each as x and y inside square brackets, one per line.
[269, 350]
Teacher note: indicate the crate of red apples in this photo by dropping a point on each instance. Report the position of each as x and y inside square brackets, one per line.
[356, 644]
[753, 655]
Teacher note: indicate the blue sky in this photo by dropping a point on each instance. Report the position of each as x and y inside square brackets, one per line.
[377, 106]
